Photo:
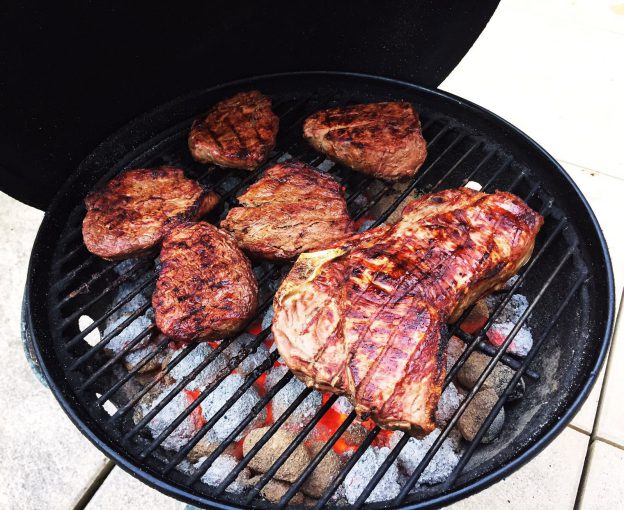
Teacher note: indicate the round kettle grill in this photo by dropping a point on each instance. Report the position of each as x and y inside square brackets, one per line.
[568, 283]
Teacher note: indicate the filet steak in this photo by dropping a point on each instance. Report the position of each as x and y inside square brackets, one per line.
[130, 215]
[293, 208]
[206, 288]
[238, 132]
[380, 139]
[366, 317]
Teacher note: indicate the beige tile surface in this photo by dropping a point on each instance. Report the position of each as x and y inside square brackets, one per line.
[604, 485]
[604, 194]
[122, 491]
[45, 461]
[554, 69]
[610, 422]
[547, 482]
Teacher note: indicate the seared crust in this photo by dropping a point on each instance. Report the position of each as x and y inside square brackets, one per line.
[238, 132]
[293, 208]
[130, 215]
[379, 139]
[206, 288]
[365, 319]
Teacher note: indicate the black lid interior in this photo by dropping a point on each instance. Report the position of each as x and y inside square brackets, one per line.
[73, 72]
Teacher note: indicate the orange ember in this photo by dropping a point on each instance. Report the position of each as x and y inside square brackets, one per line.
[214, 344]
[255, 328]
[197, 414]
[329, 423]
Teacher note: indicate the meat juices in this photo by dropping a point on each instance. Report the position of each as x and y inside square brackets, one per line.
[238, 132]
[130, 215]
[380, 139]
[206, 288]
[366, 319]
[293, 208]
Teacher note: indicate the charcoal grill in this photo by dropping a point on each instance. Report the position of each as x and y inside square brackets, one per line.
[568, 282]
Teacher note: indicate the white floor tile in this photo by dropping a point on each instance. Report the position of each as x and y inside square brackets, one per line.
[46, 462]
[604, 485]
[122, 491]
[554, 69]
[610, 424]
[549, 481]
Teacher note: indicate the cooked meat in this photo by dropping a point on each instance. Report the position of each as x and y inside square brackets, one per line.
[293, 208]
[380, 139]
[206, 288]
[238, 132]
[366, 318]
[130, 215]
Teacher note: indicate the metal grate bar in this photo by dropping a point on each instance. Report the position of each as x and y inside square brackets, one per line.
[256, 448]
[499, 309]
[185, 380]
[255, 410]
[386, 214]
[485, 374]
[511, 386]
[114, 308]
[380, 194]
[472, 148]
[249, 380]
[476, 169]
[370, 437]
[96, 375]
[295, 486]
[252, 493]
[106, 340]
[123, 278]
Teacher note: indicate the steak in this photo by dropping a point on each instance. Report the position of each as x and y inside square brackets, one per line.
[238, 132]
[366, 317]
[130, 215]
[380, 139]
[293, 208]
[206, 288]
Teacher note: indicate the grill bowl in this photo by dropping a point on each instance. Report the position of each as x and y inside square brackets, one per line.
[571, 285]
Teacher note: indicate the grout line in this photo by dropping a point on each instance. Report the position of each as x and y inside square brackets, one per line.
[619, 322]
[564, 162]
[578, 429]
[609, 442]
[93, 487]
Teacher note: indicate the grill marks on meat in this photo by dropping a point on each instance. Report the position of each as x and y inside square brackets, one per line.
[206, 288]
[238, 132]
[366, 318]
[130, 215]
[293, 208]
[380, 139]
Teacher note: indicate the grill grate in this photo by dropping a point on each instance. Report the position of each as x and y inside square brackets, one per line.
[85, 285]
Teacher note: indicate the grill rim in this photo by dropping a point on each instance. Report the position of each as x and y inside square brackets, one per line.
[601, 261]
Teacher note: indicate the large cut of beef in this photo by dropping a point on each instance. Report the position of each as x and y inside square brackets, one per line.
[366, 317]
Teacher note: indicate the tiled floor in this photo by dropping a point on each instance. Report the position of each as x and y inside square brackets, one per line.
[553, 68]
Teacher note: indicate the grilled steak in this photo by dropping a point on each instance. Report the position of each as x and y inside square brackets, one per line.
[130, 215]
[293, 208]
[380, 139]
[238, 132]
[366, 317]
[206, 288]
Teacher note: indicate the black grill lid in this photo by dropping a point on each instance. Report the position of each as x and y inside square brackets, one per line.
[74, 73]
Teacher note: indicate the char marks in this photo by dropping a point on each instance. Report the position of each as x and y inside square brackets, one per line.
[293, 208]
[379, 139]
[381, 300]
[130, 215]
[238, 132]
